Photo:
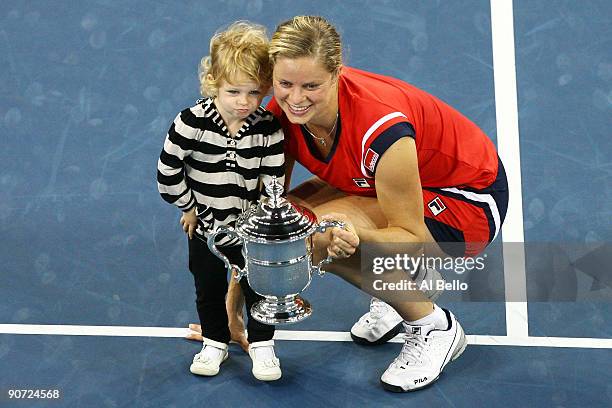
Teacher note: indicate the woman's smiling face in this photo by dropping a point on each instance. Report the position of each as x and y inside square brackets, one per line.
[304, 89]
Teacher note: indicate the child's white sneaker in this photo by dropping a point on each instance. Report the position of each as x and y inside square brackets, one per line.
[266, 367]
[207, 361]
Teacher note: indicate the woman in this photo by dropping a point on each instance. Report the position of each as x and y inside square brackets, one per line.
[398, 166]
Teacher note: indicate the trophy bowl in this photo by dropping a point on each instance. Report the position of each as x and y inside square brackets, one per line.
[276, 238]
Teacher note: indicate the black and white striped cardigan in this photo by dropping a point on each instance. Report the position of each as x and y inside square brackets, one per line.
[202, 165]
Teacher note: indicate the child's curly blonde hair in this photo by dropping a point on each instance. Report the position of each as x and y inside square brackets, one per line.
[241, 49]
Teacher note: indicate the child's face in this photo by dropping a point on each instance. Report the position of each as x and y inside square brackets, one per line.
[239, 99]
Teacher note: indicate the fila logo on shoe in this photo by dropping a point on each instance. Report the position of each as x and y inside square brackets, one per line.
[420, 380]
[436, 206]
[416, 330]
[361, 182]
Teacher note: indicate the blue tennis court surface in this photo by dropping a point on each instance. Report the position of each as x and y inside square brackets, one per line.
[87, 92]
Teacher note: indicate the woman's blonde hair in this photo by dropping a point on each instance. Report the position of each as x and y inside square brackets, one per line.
[308, 36]
[241, 49]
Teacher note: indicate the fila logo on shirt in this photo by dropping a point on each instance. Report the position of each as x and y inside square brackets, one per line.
[370, 159]
[361, 182]
[436, 206]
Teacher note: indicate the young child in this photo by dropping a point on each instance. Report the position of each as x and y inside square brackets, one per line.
[215, 157]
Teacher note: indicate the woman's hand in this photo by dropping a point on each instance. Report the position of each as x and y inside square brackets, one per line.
[343, 242]
[189, 222]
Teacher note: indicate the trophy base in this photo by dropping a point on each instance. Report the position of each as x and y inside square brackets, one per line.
[287, 310]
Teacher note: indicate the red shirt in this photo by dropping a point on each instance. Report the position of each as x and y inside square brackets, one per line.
[375, 111]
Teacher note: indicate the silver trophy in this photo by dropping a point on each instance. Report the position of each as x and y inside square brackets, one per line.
[276, 240]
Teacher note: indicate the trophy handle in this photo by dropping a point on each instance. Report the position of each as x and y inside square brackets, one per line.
[213, 248]
[321, 227]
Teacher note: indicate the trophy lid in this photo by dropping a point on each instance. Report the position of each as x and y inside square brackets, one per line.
[275, 219]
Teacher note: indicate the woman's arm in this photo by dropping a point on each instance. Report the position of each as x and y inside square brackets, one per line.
[398, 187]
[399, 197]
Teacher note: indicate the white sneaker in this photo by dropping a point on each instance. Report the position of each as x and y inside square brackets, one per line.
[382, 322]
[378, 326]
[266, 367]
[425, 353]
[207, 361]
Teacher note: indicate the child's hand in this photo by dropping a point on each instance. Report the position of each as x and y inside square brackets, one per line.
[189, 222]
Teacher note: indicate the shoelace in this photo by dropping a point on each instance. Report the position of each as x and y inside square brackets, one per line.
[377, 309]
[413, 349]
